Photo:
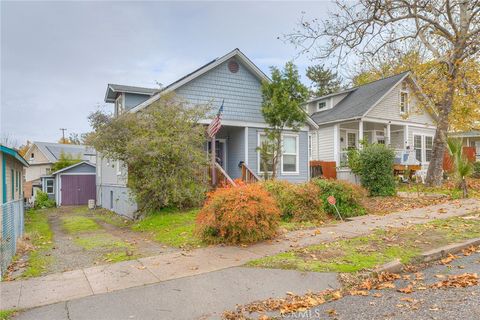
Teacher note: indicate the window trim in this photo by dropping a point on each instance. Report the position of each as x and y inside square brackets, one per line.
[323, 108]
[423, 146]
[407, 104]
[297, 154]
[46, 185]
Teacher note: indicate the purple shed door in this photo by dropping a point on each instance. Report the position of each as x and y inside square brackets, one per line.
[77, 189]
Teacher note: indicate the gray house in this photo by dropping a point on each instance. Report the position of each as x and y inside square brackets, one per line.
[233, 79]
[384, 111]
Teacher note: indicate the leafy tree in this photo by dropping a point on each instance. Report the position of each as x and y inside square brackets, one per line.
[324, 81]
[281, 109]
[65, 160]
[462, 166]
[449, 30]
[163, 148]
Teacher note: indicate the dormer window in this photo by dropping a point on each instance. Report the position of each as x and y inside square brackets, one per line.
[32, 156]
[321, 105]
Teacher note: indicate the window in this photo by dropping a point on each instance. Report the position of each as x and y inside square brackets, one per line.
[49, 186]
[17, 176]
[119, 105]
[290, 154]
[264, 164]
[321, 105]
[428, 148]
[13, 183]
[403, 102]
[417, 146]
[32, 156]
[119, 168]
[351, 140]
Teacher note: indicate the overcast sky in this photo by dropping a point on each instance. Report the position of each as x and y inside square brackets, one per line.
[57, 57]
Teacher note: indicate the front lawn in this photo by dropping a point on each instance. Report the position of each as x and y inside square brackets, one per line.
[367, 252]
[171, 227]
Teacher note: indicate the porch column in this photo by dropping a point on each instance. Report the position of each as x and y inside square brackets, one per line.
[360, 133]
[336, 144]
[246, 146]
[388, 135]
[405, 136]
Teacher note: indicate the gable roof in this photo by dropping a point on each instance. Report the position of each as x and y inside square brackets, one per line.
[112, 89]
[52, 151]
[13, 153]
[359, 100]
[202, 70]
[73, 166]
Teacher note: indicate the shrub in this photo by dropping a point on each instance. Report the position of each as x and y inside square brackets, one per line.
[296, 202]
[476, 170]
[348, 196]
[376, 170]
[242, 214]
[42, 201]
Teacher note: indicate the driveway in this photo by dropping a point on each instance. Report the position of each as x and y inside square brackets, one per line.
[82, 238]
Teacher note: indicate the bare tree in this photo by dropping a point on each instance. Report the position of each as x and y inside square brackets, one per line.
[448, 29]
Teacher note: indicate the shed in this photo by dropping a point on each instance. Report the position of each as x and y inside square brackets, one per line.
[73, 185]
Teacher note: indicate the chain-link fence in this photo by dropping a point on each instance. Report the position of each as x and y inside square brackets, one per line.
[12, 219]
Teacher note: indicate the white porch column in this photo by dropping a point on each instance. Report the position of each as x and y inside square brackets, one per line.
[360, 133]
[405, 136]
[388, 134]
[246, 146]
[336, 144]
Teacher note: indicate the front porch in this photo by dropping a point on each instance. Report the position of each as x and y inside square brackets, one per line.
[410, 148]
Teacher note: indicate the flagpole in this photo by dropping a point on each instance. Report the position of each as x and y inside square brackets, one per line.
[214, 169]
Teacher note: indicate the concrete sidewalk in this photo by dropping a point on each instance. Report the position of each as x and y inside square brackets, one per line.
[204, 296]
[107, 278]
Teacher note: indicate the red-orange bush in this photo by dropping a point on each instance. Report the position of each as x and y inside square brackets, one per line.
[242, 214]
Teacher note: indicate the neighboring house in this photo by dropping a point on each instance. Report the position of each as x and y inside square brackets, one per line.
[41, 156]
[233, 79]
[384, 111]
[73, 185]
[12, 210]
[470, 139]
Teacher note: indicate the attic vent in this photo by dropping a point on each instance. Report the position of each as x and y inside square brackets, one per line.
[233, 66]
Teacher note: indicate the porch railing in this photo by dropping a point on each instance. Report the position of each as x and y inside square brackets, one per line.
[223, 179]
[12, 227]
[248, 176]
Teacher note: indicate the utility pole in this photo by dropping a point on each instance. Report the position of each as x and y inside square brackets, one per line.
[63, 134]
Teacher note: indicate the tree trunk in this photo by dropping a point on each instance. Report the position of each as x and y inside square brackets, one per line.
[435, 168]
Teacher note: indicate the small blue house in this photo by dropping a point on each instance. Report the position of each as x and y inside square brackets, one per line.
[237, 81]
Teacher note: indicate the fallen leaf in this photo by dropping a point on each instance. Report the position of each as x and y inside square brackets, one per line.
[408, 289]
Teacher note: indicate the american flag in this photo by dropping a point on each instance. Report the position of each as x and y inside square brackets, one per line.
[216, 123]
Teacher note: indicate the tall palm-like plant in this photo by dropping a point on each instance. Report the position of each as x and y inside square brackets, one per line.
[462, 168]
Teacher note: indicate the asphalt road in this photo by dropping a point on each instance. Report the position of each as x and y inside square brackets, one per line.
[444, 303]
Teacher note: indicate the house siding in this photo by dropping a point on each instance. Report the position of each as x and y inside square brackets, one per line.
[389, 108]
[303, 159]
[133, 99]
[241, 91]
[325, 144]
[12, 164]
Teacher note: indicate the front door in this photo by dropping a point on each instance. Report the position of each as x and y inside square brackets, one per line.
[220, 152]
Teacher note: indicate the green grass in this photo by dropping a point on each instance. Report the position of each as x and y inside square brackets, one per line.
[111, 218]
[78, 224]
[418, 187]
[41, 236]
[369, 251]
[100, 241]
[118, 256]
[7, 314]
[292, 226]
[171, 227]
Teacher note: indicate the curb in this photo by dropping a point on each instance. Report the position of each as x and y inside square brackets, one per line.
[396, 266]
